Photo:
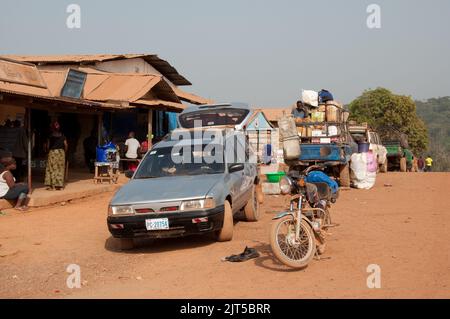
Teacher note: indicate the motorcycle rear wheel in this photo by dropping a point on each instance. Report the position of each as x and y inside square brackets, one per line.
[292, 254]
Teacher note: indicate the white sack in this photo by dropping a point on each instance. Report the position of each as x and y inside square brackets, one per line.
[310, 97]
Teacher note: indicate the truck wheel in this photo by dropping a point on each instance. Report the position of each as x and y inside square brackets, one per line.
[384, 167]
[403, 166]
[126, 243]
[226, 233]
[251, 209]
[344, 175]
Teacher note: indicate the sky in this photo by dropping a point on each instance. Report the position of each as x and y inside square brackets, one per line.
[255, 51]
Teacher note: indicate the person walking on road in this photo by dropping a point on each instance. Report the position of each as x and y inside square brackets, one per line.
[428, 164]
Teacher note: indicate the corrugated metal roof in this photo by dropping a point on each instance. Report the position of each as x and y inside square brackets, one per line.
[170, 106]
[191, 98]
[274, 114]
[159, 64]
[102, 86]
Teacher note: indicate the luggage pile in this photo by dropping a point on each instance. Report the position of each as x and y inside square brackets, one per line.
[319, 118]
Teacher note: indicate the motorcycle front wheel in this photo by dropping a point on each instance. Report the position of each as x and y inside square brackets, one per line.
[291, 252]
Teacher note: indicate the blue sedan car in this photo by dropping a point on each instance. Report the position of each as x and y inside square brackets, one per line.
[185, 187]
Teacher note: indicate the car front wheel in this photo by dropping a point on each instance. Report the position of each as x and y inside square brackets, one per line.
[252, 207]
[226, 233]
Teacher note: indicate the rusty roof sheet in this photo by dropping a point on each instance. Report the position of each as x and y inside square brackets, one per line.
[170, 106]
[103, 86]
[274, 114]
[192, 98]
[159, 64]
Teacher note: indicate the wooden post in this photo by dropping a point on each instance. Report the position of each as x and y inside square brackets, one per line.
[100, 129]
[29, 179]
[150, 128]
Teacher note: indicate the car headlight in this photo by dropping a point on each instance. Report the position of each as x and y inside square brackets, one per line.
[198, 204]
[120, 210]
[285, 185]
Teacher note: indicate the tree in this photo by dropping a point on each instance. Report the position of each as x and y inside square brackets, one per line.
[393, 116]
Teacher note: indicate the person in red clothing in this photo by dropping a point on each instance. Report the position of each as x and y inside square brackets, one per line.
[420, 164]
[145, 146]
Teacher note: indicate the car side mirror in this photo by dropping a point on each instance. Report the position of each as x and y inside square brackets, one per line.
[235, 167]
[129, 173]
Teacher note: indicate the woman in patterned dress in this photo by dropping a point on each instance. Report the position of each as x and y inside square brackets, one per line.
[57, 148]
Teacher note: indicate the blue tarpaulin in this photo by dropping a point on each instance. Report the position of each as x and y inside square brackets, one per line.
[321, 177]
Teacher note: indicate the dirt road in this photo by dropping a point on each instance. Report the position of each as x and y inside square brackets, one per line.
[405, 229]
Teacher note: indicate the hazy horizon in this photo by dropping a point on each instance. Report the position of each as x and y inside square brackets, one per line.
[259, 52]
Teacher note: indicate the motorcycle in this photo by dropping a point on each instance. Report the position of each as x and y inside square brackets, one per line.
[298, 235]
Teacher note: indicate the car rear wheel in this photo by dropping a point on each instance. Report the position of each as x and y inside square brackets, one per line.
[251, 210]
[226, 233]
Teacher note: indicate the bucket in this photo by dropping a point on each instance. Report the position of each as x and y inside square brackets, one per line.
[363, 147]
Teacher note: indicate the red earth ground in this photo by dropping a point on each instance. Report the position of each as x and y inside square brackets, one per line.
[402, 225]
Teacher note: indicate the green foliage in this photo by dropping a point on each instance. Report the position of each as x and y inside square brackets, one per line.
[436, 114]
[393, 116]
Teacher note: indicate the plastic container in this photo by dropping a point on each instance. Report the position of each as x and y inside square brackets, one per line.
[291, 148]
[275, 177]
[287, 127]
[318, 116]
[106, 153]
[333, 113]
[363, 147]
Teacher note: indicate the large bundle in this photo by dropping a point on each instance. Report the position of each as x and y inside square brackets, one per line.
[289, 137]
[363, 173]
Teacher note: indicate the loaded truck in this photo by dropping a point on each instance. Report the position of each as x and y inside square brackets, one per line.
[323, 138]
[362, 133]
[398, 157]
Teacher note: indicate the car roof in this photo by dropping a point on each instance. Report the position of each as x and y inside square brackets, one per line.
[171, 141]
[235, 105]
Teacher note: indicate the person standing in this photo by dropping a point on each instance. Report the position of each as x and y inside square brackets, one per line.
[428, 164]
[132, 146]
[420, 164]
[56, 162]
[9, 189]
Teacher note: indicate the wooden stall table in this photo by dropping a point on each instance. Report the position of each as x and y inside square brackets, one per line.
[106, 171]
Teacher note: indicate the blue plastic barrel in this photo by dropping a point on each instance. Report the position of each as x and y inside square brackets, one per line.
[363, 147]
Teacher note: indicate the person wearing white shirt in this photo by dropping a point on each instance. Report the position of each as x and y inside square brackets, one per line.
[132, 146]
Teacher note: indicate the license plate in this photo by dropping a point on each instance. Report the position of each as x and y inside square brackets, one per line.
[157, 223]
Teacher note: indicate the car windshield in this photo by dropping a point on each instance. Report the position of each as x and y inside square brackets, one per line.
[169, 161]
[216, 117]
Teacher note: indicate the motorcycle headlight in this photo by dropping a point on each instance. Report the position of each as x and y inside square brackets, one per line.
[120, 210]
[285, 185]
[205, 203]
